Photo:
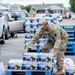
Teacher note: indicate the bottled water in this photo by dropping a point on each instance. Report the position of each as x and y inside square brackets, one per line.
[33, 56]
[25, 56]
[33, 65]
[48, 57]
[41, 57]
[24, 65]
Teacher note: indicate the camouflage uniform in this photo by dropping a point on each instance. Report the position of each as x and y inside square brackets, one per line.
[56, 40]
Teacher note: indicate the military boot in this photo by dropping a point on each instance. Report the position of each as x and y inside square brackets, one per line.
[59, 72]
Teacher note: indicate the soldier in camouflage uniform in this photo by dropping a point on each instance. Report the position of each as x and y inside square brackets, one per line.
[56, 41]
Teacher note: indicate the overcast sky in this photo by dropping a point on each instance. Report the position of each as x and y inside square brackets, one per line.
[26, 2]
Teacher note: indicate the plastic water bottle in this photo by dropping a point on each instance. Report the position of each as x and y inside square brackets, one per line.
[24, 65]
[70, 71]
[67, 71]
[48, 57]
[42, 56]
[28, 65]
[33, 65]
[33, 56]
[47, 66]
[39, 65]
[25, 55]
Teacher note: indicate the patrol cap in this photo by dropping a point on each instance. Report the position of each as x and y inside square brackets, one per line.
[42, 22]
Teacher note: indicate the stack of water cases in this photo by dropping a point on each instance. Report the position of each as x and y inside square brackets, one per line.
[32, 62]
[31, 26]
[70, 50]
[38, 61]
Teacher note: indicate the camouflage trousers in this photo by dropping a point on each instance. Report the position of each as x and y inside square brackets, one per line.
[60, 53]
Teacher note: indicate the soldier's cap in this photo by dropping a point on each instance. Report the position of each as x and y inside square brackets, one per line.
[42, 22]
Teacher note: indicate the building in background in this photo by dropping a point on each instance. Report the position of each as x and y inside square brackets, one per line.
[3, 8]
[11, 6]
[56, 8]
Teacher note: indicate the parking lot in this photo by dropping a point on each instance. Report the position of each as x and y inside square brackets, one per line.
[14, 47]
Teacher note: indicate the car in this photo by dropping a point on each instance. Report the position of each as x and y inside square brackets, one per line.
[16, 25]
[3, 29]
[7, 30]
[67, 15]
[40, 12]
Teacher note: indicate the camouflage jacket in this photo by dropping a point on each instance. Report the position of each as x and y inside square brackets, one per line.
[53, 33]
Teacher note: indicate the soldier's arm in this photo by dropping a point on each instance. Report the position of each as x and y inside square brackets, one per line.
[57, 40]
[37, 35]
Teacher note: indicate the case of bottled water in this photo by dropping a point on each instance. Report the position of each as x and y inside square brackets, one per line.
[15, 64]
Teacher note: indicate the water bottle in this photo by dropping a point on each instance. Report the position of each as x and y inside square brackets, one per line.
[24, 65]
[67, 71]
[47, 66]
[31, 25]
[71, 71]
[39, 65]
[9, 65]
[48, 57]
[25, 55]
[41, 57]
[33, 65]
[33, 56]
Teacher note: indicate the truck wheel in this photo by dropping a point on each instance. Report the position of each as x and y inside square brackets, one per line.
[3, 37]
[7, 34]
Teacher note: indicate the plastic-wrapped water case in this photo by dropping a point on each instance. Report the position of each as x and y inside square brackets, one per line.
[30, 56]
[41, 57]
[15, 64]
[31, 65]
[43, 66]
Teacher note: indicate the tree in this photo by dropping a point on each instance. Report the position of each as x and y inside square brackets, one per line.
[22, 7]
[72, 3]
[27, 8]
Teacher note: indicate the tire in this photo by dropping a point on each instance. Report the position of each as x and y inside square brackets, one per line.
[3, 37]
[12, 34]
[7, 34]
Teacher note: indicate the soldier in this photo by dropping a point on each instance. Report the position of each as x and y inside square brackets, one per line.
[57, 40]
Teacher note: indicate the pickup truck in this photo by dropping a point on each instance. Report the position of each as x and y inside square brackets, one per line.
[4, 29]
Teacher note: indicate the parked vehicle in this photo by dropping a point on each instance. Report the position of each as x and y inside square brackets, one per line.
[67, 16]
[40, 12]
[3, 29]
[7, 30]
[16, 25]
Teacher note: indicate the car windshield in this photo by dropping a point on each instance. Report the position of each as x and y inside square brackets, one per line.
[20, 14]
[40, 11]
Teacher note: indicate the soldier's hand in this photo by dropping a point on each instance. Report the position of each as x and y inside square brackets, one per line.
[25, 51]
[54, 53]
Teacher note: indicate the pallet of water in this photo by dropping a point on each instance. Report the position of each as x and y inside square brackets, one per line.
[33, 61]
[70, 70]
